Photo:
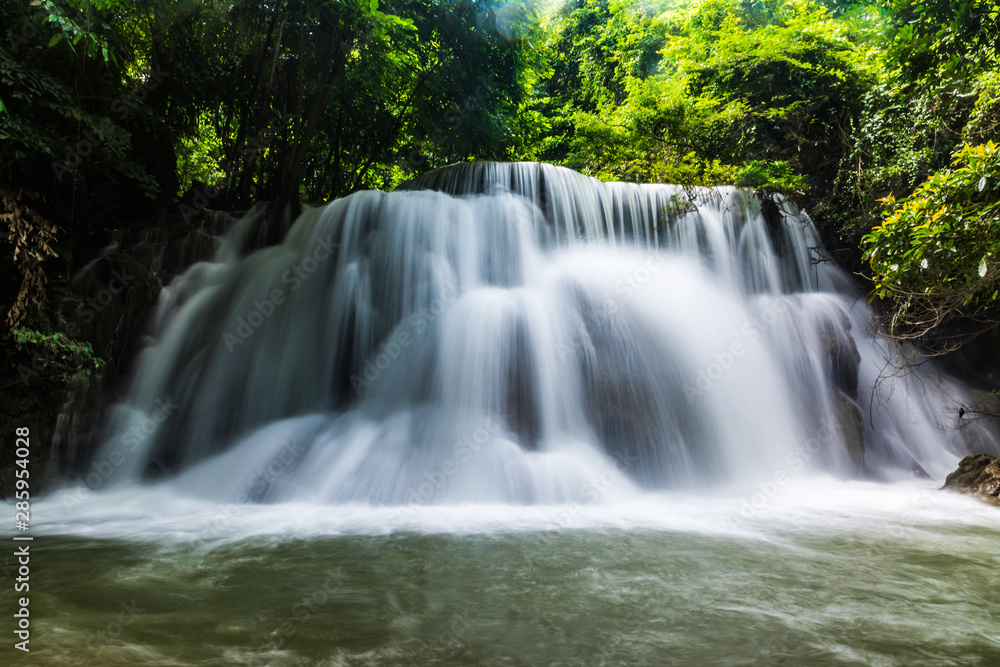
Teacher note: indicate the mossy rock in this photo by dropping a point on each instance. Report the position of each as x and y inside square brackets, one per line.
[979, 475]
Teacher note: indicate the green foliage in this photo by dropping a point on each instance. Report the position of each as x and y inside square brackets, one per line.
[108, 105]
[77, 26]
[448, 88]
[943, 39]
[711, 92]
[596, 53]
[320, 99]
[200, 155]
[833, 104]
[936, 253]
[773, 178]
[67, 124]
[64, 359]
[984, 119]
[783, 76]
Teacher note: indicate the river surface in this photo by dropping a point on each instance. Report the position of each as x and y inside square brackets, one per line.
[811, 572]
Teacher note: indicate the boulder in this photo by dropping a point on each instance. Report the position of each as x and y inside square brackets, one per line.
[851, 427]
[843, 361]
[978, 475]
[840, 352]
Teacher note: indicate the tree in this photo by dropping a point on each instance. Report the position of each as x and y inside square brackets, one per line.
[935, 257]
[69, 122]
[944, 40]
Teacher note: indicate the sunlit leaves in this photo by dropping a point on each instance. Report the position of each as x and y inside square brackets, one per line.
[943, 241]
[943, 39]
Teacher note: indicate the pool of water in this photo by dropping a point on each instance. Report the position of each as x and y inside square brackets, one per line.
[817, 573]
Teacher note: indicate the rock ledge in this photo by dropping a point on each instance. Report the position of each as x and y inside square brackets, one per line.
[978, 475]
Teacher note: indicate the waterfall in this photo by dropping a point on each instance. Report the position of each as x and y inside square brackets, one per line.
[503, 333]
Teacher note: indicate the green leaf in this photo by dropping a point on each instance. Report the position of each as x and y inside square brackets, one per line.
[56, 39]
[373, 5]
[982, 267]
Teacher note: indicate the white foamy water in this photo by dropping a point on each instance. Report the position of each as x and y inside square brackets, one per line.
[814, 505]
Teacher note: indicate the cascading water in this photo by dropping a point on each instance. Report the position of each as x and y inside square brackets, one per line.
[502, 333]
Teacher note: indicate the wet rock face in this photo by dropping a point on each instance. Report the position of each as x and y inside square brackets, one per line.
[114, 299]
[978, 475]
[851, 427]
[109, 304]
[842, 361]
[842, 356]
[116, 293]
[635, 399]
[620, 397]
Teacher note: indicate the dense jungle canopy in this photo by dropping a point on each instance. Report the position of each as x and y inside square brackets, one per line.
[881, 119]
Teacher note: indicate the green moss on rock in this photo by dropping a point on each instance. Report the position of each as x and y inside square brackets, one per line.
[979, 475]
